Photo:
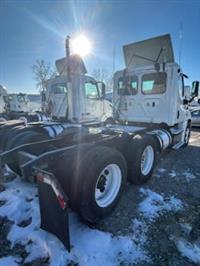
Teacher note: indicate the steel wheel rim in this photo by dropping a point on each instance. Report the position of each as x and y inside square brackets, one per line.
[147, 160]
[108, 185]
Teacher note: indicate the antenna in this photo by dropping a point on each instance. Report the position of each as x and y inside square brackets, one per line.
[180, 41]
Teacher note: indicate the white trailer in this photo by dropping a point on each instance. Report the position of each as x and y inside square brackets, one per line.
[82, 163]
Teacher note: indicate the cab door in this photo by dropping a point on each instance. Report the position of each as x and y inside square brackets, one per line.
[58, 100]
[94, 104]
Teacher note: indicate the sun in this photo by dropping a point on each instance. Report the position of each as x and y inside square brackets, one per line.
[81, 45]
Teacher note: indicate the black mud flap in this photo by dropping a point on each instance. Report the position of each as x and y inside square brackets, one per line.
[53, 207]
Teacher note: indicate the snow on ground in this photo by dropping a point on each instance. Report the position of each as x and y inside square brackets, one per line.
[189, 250]
[140, 230]
[89, 246]
[188, 175]
[172, 173]
[155, 204]
[9, 261]
[161, 170]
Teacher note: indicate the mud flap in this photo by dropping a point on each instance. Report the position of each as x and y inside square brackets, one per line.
[53, 207]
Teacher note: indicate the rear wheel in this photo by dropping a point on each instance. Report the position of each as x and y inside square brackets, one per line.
[99, 184]
[2, 119]
[11, 136]
[141, 159]
[25, 138]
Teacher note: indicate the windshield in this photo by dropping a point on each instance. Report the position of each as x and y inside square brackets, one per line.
[128, 85]
[21, 98]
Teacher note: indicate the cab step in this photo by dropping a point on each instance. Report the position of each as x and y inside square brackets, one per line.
[178, 145]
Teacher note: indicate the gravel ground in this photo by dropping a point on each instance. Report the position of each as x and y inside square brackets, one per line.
[177, 174]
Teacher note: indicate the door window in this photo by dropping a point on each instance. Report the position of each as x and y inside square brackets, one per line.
[91, 90]
[60, 88]
[154, 83]
[128, 85]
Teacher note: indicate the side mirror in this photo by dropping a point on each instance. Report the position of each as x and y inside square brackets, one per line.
[195, 89]
[187, 92]
[102, 89]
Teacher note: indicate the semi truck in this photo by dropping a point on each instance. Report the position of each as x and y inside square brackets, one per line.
[16, 106]
[82, 163]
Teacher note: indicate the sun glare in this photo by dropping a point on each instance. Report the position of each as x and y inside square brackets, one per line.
[81, 45]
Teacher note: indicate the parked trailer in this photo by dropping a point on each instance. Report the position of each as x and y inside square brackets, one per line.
[83, 163]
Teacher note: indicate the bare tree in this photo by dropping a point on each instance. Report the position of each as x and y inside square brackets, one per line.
[42, 72]
[102, 74]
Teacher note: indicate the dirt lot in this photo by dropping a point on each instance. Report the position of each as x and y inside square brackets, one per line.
[168, 231]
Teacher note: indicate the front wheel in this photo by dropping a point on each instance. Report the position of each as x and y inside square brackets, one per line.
[141, 159]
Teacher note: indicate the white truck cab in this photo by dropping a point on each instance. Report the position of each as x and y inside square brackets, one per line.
[74, 96]
[151, 89]
[146, 95]
[17, 103]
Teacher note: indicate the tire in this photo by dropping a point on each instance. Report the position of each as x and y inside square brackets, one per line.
[25, 138]
[89, 196]
[109, 120]
[12, 133]
[2, 119]
[141, 147]
[187, 135]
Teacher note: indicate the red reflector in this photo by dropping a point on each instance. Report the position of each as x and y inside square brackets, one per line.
[40, 177]
[61, 201]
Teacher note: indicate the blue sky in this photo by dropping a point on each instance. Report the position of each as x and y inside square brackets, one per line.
[31, 30]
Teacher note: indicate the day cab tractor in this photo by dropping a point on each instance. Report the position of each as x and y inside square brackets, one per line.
[79, 162]
[16, 106]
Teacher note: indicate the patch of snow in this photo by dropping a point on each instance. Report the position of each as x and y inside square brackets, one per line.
[9, 261]
[188, 175]
[155, 204]
[140, 230]
[191, 251]
[161, 170]
[172, 173]
[89, 247]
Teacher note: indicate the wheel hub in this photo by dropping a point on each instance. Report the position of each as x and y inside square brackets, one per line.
[102, 183]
